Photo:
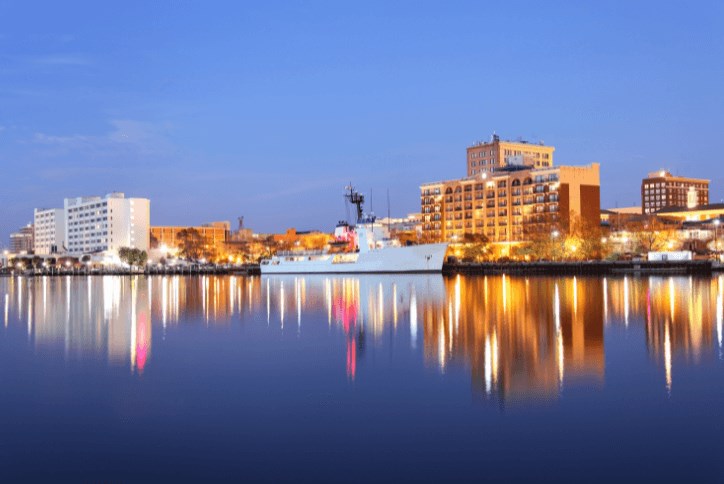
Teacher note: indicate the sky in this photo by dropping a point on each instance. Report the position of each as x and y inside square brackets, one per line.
[215, 110]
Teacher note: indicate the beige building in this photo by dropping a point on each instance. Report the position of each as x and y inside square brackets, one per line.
[486, 157]
[661, 190]
[513, 203]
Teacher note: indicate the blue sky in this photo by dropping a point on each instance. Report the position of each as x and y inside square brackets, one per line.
[267, 109]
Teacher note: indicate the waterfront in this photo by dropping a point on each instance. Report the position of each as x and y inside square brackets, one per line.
[419, 377]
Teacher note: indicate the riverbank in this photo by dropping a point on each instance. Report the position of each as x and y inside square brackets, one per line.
[702, 267]
[243, 270]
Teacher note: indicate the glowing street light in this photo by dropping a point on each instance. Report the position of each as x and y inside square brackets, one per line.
[717, 222]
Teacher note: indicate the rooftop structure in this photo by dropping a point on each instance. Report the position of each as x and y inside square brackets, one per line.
[490, 156]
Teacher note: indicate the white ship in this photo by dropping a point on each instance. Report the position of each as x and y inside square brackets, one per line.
[362, 248]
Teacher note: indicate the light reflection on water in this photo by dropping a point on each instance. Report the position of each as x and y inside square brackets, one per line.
[517, 337]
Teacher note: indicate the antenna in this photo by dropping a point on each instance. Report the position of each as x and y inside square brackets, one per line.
[356, 199]
[388, 210]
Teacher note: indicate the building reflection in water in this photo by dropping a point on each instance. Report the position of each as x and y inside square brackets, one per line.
[519, 337]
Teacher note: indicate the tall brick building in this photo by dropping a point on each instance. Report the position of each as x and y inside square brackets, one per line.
[661, 190]
[512, 204]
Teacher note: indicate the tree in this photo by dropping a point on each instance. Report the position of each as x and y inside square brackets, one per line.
[475, 247]
[651, 235]
[133, 257]
[191, 243]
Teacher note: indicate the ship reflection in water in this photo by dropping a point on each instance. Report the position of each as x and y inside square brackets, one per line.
[518, 338]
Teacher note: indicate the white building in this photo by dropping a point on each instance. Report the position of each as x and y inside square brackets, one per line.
[98, 224]
[49, 231]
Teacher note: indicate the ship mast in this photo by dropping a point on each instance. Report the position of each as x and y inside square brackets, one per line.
[356, 199]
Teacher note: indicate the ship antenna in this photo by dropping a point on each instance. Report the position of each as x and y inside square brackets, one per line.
[388, 210]
[356, 199]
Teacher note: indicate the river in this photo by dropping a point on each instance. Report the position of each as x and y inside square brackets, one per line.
[361, 378]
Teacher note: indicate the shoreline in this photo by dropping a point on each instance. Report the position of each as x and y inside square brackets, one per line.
[701, 267]
[594, 268]
[245, 270]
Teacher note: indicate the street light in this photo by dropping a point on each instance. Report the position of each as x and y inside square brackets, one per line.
[717, 222]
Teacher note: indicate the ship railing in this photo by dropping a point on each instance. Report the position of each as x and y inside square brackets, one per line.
[285, 253]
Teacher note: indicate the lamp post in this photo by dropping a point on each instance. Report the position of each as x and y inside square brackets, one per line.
[554, 235]
[717, 222]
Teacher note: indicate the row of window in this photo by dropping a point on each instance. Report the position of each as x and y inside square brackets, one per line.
[481, 154]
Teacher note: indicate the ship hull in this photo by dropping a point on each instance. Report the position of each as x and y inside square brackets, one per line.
[395, 260]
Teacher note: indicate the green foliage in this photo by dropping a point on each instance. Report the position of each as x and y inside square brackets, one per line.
[133, 257]
[475, 248]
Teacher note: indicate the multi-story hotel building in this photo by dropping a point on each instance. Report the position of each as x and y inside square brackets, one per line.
[98, 224]
[661, 190]
[49, 231]
[486, 157]
[215, 234]
[513, 203]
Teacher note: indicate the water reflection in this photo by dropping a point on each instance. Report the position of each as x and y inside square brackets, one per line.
[518, 337]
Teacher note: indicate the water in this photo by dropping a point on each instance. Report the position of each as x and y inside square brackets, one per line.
[385, 378]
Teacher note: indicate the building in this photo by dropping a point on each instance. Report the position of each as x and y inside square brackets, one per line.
[619, 217]
[486, 157]
[98, 224]
[701, 213]
[302, 239]
[22, 240]
[411, 223]
[514, 203]
[49, 231]
[214, 234]
[661, 190]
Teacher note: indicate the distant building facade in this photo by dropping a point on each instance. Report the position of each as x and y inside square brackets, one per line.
[98, 224]
[511, 204]
[303, 239]
[619, 217]
[701, 213]
[215, 234]
[411, 223]
[49, 231]
[486, 157]
[22, 240]
[661, 190]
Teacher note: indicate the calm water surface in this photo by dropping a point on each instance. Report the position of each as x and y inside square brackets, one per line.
[386, 378]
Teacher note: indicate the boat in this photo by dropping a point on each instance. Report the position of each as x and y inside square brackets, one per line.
[363, 247]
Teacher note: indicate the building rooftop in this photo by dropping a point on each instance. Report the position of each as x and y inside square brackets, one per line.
[494, 137]
[667, 174]
[700, 208]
